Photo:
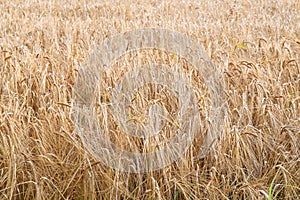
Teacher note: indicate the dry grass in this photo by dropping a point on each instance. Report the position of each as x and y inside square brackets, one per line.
[255, 44]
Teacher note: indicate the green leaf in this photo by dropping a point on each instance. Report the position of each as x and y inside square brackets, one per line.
[271, 189]
[241, 46]
[176, 194]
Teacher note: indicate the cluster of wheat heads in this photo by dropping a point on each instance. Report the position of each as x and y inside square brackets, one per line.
[254, 44]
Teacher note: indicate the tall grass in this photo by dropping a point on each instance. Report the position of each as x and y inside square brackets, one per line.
[255, 44]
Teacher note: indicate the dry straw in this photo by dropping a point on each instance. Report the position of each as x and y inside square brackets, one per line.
[255, 44]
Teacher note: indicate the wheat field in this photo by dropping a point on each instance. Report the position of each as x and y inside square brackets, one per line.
[255, 45]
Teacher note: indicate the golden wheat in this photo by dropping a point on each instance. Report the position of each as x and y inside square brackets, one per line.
[256, 46]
